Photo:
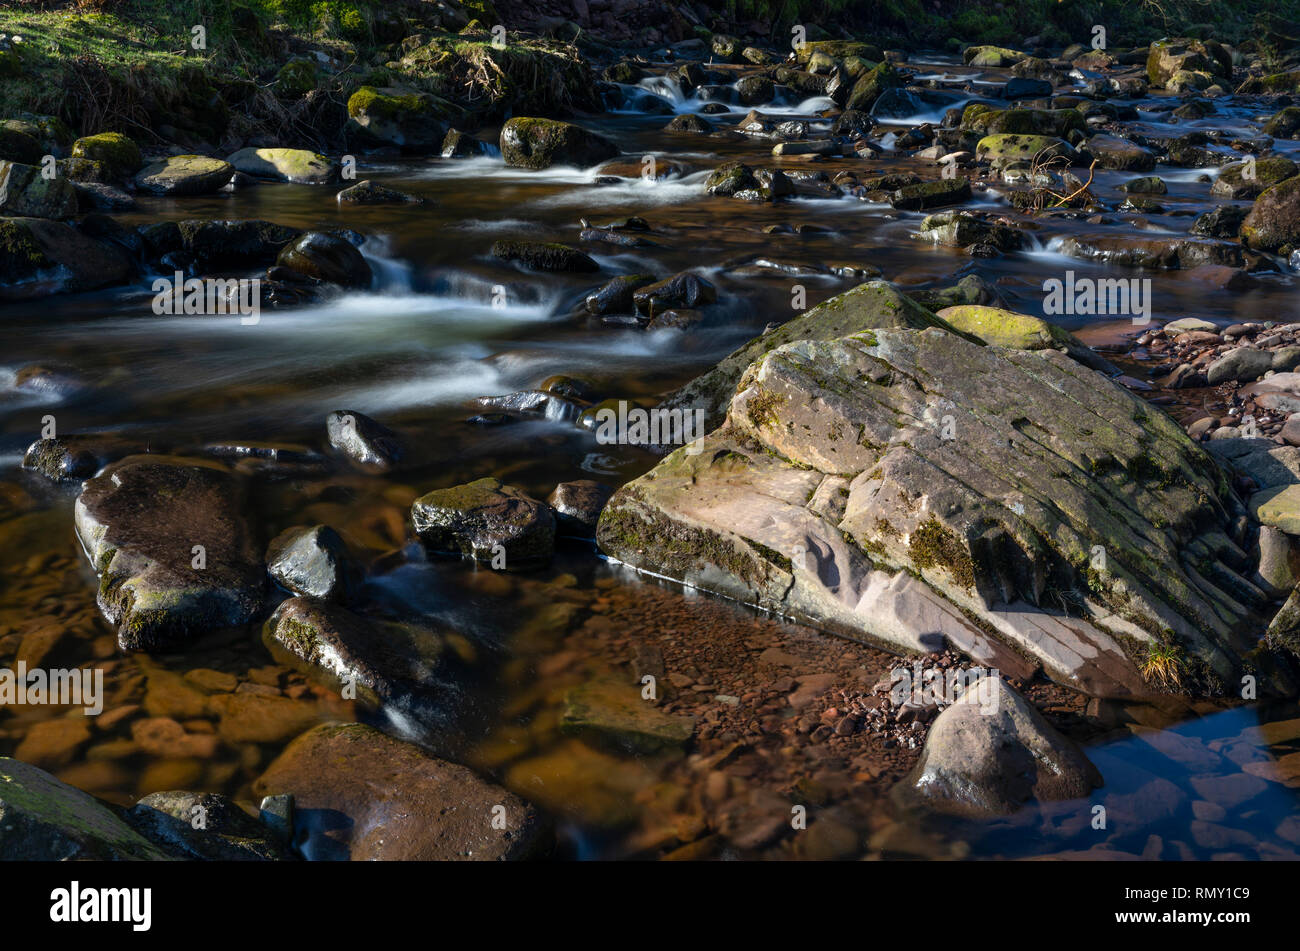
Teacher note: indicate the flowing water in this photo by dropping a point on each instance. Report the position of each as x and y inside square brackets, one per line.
[443, 324]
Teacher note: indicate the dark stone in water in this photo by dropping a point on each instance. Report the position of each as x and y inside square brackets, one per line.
[313, 562]
[486, 520]
[577, 506]
[365, 440]
[225, 833]
[616, 296]
[74, 458]
[680, 290]
[360, 795]
[368, 193]
[326, 257]
[538, 256]
[403, 666]
[174, 555]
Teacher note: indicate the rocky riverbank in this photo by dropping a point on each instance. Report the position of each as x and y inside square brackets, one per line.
[648, 439]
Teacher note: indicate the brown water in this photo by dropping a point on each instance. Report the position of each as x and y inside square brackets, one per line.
[414, 352]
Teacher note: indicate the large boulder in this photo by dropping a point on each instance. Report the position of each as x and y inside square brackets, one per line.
[411, 120]
[913, 487]
[174, 555]
[1243, 180]
[44, 820]
[541, 143]
[990, 753]
[25, 193]
[40, 257]
[1167, 58]
[184, 175]
[1274, 221]
[299, 166]
[361, 795]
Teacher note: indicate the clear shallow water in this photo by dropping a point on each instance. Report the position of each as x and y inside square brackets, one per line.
[414, 352]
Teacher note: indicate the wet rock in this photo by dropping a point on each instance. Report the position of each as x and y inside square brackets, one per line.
[1026, 88]
[44, 820]
[615, 297]
[1232, 791]
[486, 520]
[961, 229]
[362, 438]
[1157, 252]
[872, 85]
[368, 193]
[947, 191]
[806, 502]
[680, 290]
[299, 166]
[456, 144]
[391, 116]
[361, 795]
[577, 506]
[313, 562]
[174, 556]
[992, 56]
[1147, 185]
[1168, 58]
[541, 143]
[1001, 150]
[74, 458]
[548, 256]
[1120, 154]
[179, 175]
[616, 714]
[1274, 220]
[689, 122]
[1284, 125]
[202, 826]
[755, 90]
[1247, 179]
[1242, 365]
[676, 319]
[1222, 222]
[405, 667]
[120, 155]
[326, 257]
[218, 244]
[991, 752]
[533, 402]
[26, 193]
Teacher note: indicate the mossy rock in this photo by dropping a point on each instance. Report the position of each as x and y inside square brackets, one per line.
[296, 78]
[26, 193]
[1003, 149]
[540, 143]
[300, 166]
[992, 56]
[1274, 221]
[410, 120]
[871, 85]
[19, 146]
[1285, 124]
[1005, 328]
[1244, 180]
[119, 153]
[185, 175]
